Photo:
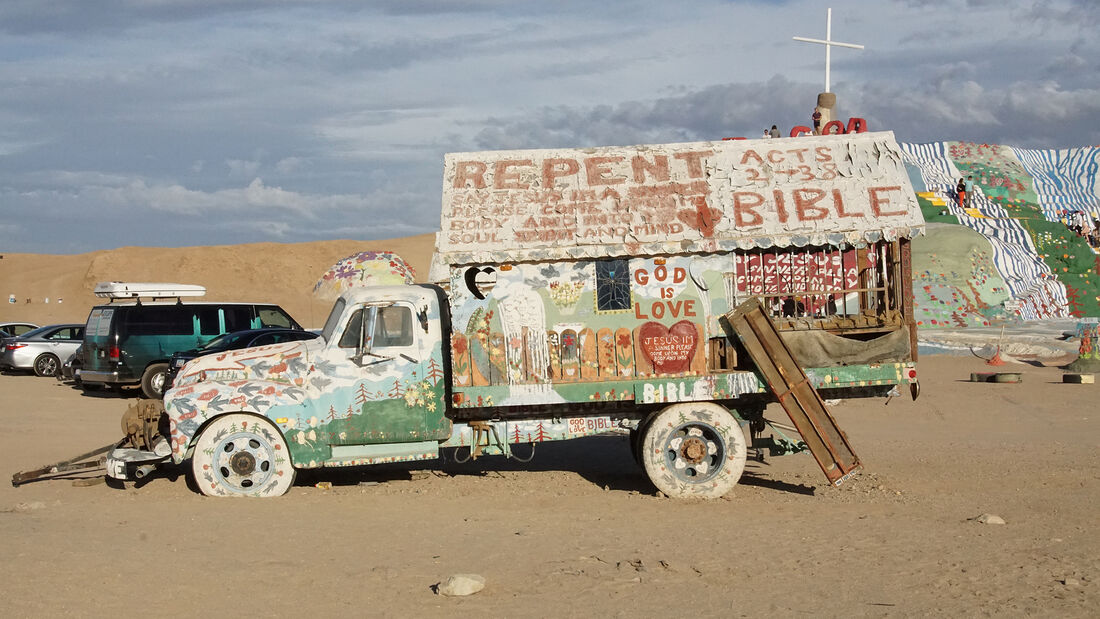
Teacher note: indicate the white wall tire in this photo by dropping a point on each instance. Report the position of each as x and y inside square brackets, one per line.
[242, 456]
[694, 450]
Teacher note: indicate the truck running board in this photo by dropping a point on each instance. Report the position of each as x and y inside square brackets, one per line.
[355, 455]
[789, 384]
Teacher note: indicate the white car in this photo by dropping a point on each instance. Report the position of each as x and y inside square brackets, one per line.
[42, 349]
[9, 330]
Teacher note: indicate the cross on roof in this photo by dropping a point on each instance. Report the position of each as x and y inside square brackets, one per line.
[828, 43]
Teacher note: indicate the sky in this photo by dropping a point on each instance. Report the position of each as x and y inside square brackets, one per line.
[174, 123]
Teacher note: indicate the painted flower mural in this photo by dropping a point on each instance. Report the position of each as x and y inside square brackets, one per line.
[368, 268]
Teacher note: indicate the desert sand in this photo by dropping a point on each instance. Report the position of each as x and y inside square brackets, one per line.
[579, 531]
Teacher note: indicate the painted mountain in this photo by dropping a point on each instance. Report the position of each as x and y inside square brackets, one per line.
[1012, 253]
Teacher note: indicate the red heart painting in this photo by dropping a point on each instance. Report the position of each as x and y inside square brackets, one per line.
[670, 350]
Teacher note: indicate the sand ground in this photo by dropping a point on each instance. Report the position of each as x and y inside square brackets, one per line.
[580, 531]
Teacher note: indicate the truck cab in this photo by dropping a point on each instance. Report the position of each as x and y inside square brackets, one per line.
[248, 418]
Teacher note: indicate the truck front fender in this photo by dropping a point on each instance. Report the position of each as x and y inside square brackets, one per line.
[190, 408]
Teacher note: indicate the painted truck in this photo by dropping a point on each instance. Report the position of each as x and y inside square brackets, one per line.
[581, 291]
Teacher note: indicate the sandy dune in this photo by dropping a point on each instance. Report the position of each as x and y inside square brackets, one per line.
[267, 272]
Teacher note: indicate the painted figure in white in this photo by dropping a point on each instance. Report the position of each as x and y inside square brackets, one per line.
[523, 317]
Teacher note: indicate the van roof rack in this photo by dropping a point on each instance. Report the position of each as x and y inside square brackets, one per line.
[138, 290]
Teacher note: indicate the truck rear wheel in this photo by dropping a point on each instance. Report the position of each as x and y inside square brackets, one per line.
[242, 455]
[694, 450]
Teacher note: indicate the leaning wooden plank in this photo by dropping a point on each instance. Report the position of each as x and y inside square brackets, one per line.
[791, 387]
[773, 376]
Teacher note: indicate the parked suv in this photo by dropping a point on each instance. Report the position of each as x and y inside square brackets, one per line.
[130, 343]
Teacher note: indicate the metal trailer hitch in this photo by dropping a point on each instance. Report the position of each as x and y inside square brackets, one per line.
[143, 448]
[83, 462]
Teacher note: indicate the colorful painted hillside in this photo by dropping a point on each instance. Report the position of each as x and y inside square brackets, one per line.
[1012, 253]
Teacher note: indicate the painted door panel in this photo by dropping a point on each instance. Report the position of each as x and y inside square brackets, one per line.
[370, 385]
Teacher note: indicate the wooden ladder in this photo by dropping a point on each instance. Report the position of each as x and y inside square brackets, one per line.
[789, 384]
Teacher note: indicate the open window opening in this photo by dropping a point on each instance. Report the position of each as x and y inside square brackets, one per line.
[858, 293]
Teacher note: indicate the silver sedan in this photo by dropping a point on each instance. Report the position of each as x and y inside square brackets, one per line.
[43, 349]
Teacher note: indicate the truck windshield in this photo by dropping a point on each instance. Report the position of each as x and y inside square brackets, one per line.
[333, 320]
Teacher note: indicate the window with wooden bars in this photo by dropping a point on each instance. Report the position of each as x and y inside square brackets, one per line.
[834, 287]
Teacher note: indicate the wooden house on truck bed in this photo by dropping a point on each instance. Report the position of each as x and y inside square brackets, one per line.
[582, 275]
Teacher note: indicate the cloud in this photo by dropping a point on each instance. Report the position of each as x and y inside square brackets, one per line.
[223, 121]
[1039, 114]
[1064, 14]
[112, 16]
[256, 196]
[240, 167]
[948, 106]
[709, 114]
[13, 147]
[290, 164]
[160, 213]
[119, 191]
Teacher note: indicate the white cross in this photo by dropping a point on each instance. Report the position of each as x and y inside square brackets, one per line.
[828, 43]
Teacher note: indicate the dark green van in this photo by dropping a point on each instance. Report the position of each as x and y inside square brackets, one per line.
[130, 343]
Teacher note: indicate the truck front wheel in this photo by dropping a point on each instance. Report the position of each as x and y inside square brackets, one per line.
[694, 450]
[242, 455]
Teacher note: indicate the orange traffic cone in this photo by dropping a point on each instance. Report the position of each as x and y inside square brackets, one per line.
[996, 359]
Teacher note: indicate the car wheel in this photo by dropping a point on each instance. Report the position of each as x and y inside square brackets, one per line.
[242, 455]
[46, 365]
[152, 381]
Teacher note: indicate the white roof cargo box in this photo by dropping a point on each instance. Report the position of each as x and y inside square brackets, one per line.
[134, 290]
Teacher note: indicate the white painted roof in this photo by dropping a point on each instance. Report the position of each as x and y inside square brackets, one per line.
[554, 204]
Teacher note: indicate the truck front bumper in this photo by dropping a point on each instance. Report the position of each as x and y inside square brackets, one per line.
[127, 463]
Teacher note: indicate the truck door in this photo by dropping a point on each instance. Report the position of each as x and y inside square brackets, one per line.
[390, 401]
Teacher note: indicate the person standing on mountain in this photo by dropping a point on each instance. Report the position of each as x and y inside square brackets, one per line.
[960, 192]
[969, 187]
[816, 116]
[774, 132]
